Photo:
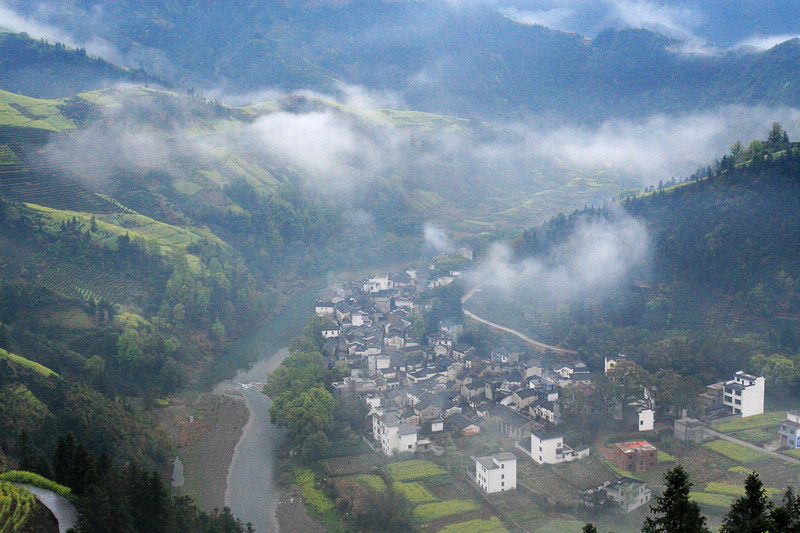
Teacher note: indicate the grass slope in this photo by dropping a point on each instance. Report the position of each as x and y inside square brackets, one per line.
[18, 110]
[27, 363]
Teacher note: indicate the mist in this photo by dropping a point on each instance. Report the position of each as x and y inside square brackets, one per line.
[336, 150]
[599, 257]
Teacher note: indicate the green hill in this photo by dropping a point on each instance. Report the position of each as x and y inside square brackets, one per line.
[718, 293]
[467, 60]
[41, 69]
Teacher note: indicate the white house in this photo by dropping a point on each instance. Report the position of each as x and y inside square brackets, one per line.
[646, 419]
[744, 394]
[331, 332]
[376, 363]
[378, 284]
[549, 449]
[627, 494]
[359, 318]
[324, 308]
[394, 436]
[496, 473]
[790, 429]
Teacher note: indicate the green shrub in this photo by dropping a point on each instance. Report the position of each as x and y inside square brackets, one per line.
[414, 492]
[29, 478]
[428, 512]
[493, 525]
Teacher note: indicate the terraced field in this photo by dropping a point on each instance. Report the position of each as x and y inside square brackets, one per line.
[27, 176]
[84, 282]
[16, 508]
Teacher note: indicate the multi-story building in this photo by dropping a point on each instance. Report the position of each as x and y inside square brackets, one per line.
[790, 429]
[393, 434]
[549, 448]
[636, 456]
[625, 494]
[496, 473]
[744, 394]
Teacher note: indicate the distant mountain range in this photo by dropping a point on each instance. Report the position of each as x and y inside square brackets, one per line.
[431, 56]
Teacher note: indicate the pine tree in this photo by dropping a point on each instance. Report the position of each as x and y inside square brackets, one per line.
[786, 516]
[752, 512]
[678, 514]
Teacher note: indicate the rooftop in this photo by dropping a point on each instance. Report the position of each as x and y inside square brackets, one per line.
[639, 445]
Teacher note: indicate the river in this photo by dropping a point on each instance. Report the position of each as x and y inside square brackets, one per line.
[252, 489]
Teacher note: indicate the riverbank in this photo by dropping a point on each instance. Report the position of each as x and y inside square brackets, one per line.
[205, 430]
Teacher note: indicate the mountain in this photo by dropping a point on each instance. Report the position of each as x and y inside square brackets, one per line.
[463, 60]
[714, 288]
[51, 70]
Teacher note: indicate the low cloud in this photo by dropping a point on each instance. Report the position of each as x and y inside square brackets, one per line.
[436, 239]
[11, 20]
[590, 17]
[598, 257]
[766, 42]
[662, 146]
[339, 154]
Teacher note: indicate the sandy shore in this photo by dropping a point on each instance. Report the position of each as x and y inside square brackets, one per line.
[205, 430]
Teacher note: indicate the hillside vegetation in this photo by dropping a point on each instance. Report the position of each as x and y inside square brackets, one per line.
[720, 293]
[464, 59]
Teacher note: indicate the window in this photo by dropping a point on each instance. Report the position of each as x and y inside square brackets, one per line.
[409, 446]
[502, 476]
[502, 466]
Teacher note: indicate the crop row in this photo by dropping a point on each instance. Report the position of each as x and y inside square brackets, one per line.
[71, 280]
[417, 469]
[29, 478]
[51, 191]
[16, 506]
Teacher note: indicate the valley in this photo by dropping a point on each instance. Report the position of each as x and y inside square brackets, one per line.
[276, 240]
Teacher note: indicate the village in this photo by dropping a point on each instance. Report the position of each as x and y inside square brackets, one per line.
[424, 391]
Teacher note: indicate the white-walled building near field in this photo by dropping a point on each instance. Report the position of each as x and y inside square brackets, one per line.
[393, 434]
[744, 394]
[549, 449]
[790, 429]
[496, 473]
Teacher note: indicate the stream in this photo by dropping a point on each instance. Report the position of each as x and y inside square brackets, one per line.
[252, 489]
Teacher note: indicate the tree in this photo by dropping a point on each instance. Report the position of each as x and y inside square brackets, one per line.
[589, 528]
[778, 138]
[752, 512]
[678, 514]
[786, 517]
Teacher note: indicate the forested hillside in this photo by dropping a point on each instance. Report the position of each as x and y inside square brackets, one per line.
[460, 58]
[719, 290]
[42, 69]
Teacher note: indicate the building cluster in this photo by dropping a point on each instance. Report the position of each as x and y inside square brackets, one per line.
[419, 383]
[436, 382]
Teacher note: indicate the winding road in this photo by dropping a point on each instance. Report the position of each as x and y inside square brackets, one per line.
[62, 508]
[533, 342]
